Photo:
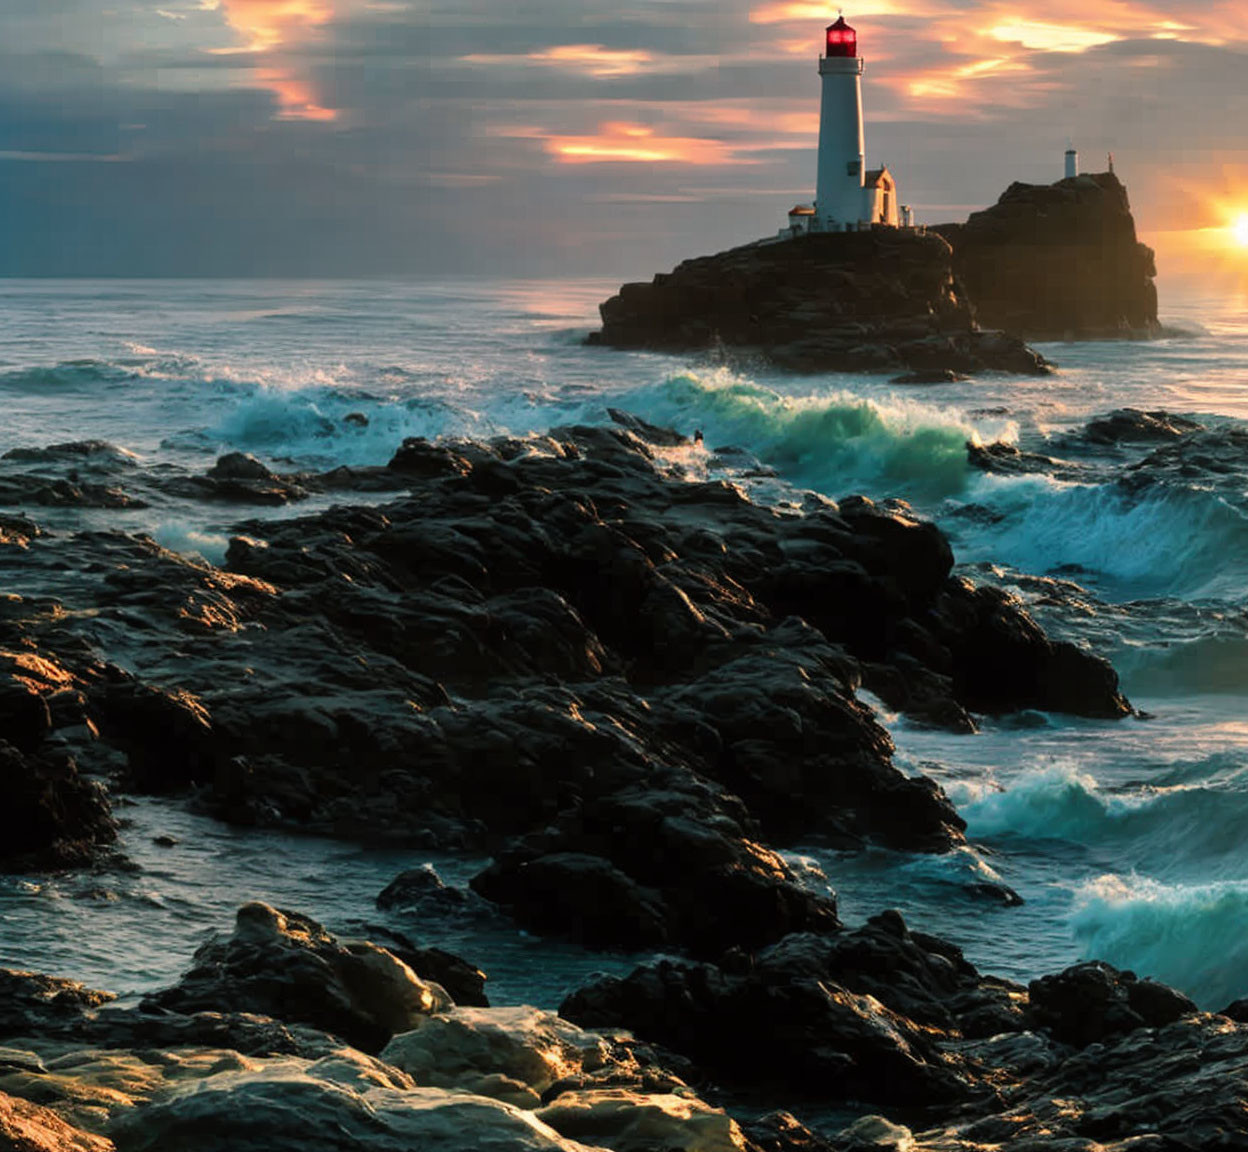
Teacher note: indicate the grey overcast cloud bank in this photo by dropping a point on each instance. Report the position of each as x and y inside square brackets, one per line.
[358, 137]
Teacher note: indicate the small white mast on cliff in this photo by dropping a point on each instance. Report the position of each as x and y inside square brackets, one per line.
[1072, 161]
[842, 152]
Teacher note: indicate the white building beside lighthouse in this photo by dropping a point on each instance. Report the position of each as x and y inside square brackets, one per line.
[848, 195]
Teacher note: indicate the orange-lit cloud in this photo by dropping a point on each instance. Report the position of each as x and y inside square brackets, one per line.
[268, 26]
[970, 48]
[596, 60]
[621, 142]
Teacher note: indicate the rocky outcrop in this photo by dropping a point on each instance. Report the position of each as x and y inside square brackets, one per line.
[879, 1018]
[853, 1015]
[138, 1079]
[877, 301]
[284, 965]
[622, 682]
[1057, 262]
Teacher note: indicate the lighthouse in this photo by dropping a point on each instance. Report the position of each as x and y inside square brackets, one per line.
[848, 195]
[842, 150]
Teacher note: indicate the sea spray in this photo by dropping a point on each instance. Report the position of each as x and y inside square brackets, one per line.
[835, 442]
[1188, 935]
[1164, 540]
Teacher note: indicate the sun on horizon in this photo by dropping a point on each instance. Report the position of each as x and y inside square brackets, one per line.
[1239, 230]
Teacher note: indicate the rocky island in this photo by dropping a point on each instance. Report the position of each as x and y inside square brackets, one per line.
[1058, 262]
[1046, 262]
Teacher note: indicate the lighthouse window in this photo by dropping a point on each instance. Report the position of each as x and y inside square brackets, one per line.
[853, 168]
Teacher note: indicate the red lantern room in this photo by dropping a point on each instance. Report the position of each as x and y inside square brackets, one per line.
[842, 39]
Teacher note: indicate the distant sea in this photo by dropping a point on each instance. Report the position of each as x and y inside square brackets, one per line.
[1126, 840]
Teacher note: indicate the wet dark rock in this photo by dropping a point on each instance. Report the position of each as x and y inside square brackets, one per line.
[50, 817]
[847, 1014]
[421, 890]
[650, 433]
[239, 466]
[32, 1004]
[167, 734]
[79, 451]
[620, 682]
[1001, 660]
[24, 716]
[932, 376]
[462, 980]
[783, 1132]
[284, 965]
[1133, 426]
[1057, 261]
[1092, 1001]
[877, 301]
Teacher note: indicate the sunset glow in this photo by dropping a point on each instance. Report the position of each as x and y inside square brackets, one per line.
[268, 26]
[624, 143]
[1239, 231]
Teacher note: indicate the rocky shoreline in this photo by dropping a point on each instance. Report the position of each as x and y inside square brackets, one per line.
[632, 687]
[282, 1036]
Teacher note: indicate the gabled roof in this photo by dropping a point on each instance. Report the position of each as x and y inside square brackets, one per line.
[875, 177]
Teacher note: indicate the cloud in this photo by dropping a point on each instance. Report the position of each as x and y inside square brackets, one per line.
[377, 135]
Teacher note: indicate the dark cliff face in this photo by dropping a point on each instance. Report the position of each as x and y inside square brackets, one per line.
[1057, 261]
[876, 301]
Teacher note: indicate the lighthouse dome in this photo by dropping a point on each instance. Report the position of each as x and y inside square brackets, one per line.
[842, 39]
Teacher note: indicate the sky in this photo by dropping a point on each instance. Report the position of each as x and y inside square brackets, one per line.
[548, 137]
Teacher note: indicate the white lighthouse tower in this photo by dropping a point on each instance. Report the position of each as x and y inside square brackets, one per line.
[847, 196]
[842, 151]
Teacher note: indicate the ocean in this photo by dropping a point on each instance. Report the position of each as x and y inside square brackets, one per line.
[1124, 839]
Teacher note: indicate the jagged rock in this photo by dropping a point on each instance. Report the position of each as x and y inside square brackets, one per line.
[287, 966]
[875, 301]
[50, 817]
[239, 466]
[829, 1011]
[518, 1052]
[1132, 426]
[1057, 261]
[32, 1004]
[1091, 1001]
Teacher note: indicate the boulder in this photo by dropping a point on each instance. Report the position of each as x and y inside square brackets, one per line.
[287, 966]
[50, 816]
[1091, 1001]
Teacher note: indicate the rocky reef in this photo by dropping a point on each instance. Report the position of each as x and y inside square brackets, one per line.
[1057, 262]
[877, 301]
[626, 683]
[282, 1036]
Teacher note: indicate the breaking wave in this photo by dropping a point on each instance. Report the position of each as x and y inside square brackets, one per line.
[1167, 540]
[836, 443]
[1166, 826]
[1188, 935]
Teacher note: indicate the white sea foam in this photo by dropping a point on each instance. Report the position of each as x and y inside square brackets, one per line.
[1188, 935]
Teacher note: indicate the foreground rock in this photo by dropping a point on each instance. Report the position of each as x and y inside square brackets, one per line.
[285, 965]
[1058, 262]
[511, 1079]
[623, 683]
[858, 1015]
[880, 1018]
[878, 301]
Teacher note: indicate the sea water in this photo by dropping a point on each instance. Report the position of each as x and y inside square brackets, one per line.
[1125, 839]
